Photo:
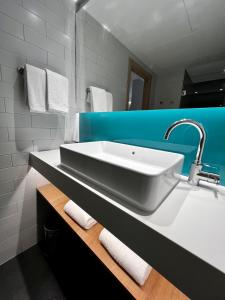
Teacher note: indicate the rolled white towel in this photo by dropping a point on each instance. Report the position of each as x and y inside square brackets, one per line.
[129, 261]
[79, 215]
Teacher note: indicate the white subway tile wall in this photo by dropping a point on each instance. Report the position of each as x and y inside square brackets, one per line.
[103, 62]
[42, 33]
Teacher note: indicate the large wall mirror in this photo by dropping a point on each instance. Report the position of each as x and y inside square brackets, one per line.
[152, 54]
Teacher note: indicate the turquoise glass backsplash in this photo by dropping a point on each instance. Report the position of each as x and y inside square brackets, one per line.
[147, 128]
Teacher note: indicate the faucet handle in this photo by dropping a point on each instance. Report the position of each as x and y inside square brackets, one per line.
[209, 177]
[212, 176]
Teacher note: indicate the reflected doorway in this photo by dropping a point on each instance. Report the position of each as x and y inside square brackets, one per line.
[138, 87]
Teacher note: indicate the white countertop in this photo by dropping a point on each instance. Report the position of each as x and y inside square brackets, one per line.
[191, 217]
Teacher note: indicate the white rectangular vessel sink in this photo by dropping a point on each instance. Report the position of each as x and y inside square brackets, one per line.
[141, 177]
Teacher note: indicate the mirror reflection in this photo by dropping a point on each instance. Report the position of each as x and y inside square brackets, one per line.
[150, 54]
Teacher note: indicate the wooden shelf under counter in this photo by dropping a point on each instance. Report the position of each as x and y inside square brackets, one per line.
[156, 287]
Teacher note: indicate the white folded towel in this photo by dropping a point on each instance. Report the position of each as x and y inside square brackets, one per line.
[109, 98]
[129, 261]
[57, 92]
[35, 88]
[79, 215]
[98, 99]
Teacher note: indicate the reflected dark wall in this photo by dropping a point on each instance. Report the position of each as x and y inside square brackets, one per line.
[203, 94]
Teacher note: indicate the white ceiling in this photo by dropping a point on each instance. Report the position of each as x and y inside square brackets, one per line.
[207, 71]
[166, 34]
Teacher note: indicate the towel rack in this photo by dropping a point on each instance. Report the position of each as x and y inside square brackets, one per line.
[88, 90]
[20, 70]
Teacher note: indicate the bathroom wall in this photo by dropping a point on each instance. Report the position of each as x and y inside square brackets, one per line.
[102, 62]
[147, 128]
[39, 32]
[168, 89]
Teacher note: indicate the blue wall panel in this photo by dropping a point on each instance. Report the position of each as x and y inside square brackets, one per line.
[147, 128]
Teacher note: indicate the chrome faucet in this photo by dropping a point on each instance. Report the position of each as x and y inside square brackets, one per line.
[196, 173]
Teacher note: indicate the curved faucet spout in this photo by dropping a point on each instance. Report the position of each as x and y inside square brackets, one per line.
[196, 174]
[201, 131]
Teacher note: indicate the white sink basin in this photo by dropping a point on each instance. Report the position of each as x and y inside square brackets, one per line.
[142, 177]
